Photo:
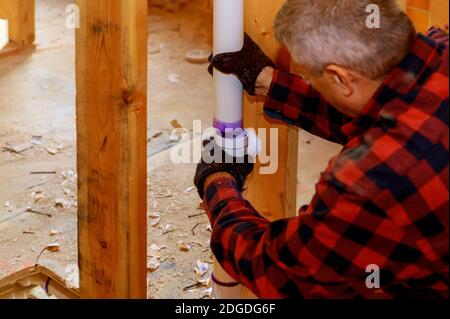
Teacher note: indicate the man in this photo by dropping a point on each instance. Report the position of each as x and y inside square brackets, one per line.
[383, 201]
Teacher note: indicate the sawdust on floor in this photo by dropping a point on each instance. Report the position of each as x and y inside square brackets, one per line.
[38, 183]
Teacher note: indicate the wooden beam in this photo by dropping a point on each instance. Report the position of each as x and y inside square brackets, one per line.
[439, 13]
[273, 195]
[427, 13]
[21, 19]
[418, 11]
[403, 4]
[111, 79]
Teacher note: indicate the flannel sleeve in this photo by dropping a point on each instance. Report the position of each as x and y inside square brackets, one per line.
[325, 249]
[296, 102]
[438, 35]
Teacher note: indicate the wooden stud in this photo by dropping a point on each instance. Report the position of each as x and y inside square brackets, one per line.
[272, 195]
[111, 79]
[403, 4]
[420, 16]
[21, 20]
[426, 13]
[439, 13]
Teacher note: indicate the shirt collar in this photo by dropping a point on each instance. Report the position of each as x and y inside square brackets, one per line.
[424, 55]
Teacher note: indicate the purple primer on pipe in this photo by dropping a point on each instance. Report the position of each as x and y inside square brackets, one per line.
[222, 126]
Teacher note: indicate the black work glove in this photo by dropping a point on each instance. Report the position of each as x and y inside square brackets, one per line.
[239, 168]
[246, 64]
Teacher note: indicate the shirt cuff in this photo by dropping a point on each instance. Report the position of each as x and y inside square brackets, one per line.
[270, 103]
[217, 193]
[286, 89]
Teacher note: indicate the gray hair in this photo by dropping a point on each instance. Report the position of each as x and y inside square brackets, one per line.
[323, 32]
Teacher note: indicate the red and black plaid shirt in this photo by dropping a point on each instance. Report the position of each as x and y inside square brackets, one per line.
[382, 201]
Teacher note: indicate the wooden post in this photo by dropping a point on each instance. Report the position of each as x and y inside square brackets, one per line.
[273, 195]
[439, 13]
[403, 4]
[111, 79]
[20, 16]
[426, 13]
[418, 11]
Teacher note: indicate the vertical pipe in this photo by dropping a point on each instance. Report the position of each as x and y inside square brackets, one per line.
[228, 37]
[4, 35]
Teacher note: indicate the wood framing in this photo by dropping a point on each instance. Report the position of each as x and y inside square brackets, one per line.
[403, 4]
[273, 195]
[426, 13]
[111, 80]
[21, 19]
[439, 13]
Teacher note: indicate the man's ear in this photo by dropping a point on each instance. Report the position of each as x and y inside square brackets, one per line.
[341, 77]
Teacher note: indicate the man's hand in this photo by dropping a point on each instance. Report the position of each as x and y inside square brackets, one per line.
[211, 165]
[246, 64]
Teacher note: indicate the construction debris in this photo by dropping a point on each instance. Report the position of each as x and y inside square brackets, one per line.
[43, 173]
[190, 287]
[193, 229]
[156, 135]
[154, 48]
[154, 215]
[197, 56]
[36, 283]
[162, 195]
[36, 140]
[37, 292]
[202, 268]
[70, 176]
[54, 232]
[36, 185]
[33, 211]
[173, 78]
[154, 251]
[17, 148]
[8, 206]
[153, 264]
[38, 196]
[183, 246]
[54, 247]
[68, 192]
[175, 124]
[189, 190]
[196, 215]
[51, 151]
[62, 203]
[155, 222]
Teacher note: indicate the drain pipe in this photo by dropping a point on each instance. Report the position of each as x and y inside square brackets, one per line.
[228, 37]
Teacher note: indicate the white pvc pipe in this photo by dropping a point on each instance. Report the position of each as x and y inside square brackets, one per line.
[4, 37]
[224, 292]
[228, 37]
